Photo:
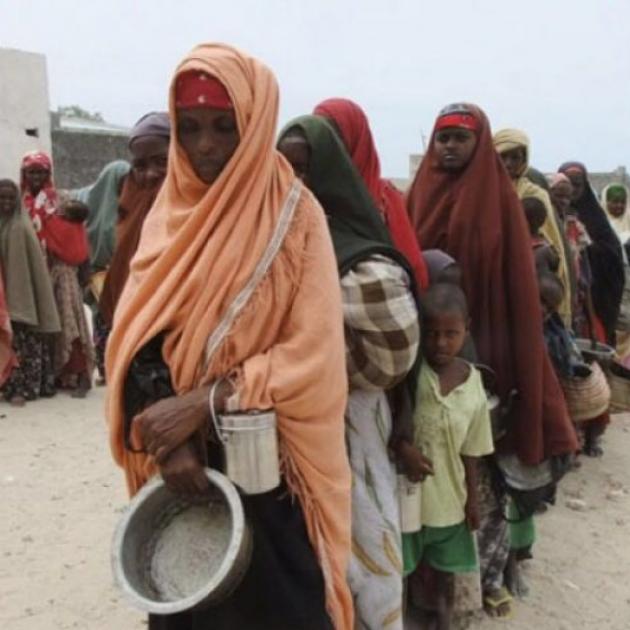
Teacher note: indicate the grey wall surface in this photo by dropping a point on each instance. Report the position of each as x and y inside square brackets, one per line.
[79, 157]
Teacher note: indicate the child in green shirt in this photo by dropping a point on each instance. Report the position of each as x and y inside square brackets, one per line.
[452, 429]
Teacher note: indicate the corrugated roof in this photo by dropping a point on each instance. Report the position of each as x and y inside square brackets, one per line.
[83, 125]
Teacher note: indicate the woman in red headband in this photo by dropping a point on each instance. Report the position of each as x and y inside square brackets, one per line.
[462, 201]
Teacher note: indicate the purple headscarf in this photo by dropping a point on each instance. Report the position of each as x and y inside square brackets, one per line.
[151, 124]
[437, 261]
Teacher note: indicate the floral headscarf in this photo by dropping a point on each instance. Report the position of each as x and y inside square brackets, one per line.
[44, 204]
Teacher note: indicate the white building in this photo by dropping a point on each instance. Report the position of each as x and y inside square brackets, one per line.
[24, 108]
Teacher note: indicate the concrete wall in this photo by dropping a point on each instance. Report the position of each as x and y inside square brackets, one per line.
[23, 105]
[79, 157]
[599, 181]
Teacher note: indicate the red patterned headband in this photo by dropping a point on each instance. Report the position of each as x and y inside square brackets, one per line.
[461, 120]
[37, 158]
[196, 89]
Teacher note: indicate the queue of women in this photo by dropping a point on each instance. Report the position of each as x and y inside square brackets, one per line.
[375, 330]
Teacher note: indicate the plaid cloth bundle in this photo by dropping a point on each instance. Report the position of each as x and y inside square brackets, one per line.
[381, 322]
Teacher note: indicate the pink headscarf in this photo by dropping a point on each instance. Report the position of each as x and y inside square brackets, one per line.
[558, 178]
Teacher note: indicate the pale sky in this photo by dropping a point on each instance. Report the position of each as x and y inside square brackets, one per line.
[558, 69]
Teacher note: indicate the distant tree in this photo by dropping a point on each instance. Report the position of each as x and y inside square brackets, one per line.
[74, 111]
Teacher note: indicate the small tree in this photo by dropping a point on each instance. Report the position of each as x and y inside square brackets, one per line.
[74, 111]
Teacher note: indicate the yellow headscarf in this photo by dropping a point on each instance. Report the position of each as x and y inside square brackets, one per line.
[508, 140]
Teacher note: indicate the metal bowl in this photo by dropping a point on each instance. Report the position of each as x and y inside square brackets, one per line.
[170, 555]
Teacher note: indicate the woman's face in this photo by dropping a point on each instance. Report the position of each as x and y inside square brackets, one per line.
[8, 199]
[209, 137]
[561, 196]
[617, 207]
[35, 177]
[296, 151]
[149, 160]
[578, 182]
[515, 161]
[454, 148]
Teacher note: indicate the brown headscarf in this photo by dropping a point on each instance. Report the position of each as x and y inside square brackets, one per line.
[135, 203]
[475, 216]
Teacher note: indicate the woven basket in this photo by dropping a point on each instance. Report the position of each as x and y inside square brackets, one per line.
[587, 398]
[619, 381]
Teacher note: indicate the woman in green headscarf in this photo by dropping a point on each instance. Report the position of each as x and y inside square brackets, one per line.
[382, 338]
[30, 300]
[614, 200]
[101, 198]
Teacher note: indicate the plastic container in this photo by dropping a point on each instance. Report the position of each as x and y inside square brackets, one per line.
[410, 502]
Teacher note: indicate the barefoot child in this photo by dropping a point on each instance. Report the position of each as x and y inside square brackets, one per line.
[452, 429]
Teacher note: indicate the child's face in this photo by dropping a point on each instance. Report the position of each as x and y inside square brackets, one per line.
[561, 196]
[8, 199]
[444, 336]
[617, 206]
[550, 299]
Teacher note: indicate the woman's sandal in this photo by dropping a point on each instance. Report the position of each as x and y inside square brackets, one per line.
[499, 604]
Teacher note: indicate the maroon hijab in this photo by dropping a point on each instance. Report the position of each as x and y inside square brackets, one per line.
[134, 205]
[475, 216]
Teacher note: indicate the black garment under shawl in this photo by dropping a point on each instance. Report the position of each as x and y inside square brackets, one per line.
[604, 256]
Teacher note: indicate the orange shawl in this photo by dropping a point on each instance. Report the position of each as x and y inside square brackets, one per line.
[198, 248]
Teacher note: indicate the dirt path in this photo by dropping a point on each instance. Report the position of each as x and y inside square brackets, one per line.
[62, 497]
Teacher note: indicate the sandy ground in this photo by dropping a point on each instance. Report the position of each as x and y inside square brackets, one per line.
[62, 497]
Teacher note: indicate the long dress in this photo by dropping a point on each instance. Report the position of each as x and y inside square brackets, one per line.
[74, 351]
[375, 365]
[65, 246]
[375, 574]
[7, 354]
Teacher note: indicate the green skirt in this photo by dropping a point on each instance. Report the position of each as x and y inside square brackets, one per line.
[448, 549]
[522, 532]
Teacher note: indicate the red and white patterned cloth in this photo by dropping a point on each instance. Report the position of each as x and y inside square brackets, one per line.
[43, 205]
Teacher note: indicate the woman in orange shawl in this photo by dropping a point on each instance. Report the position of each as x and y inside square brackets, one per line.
[227, 193]
[462, 201]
